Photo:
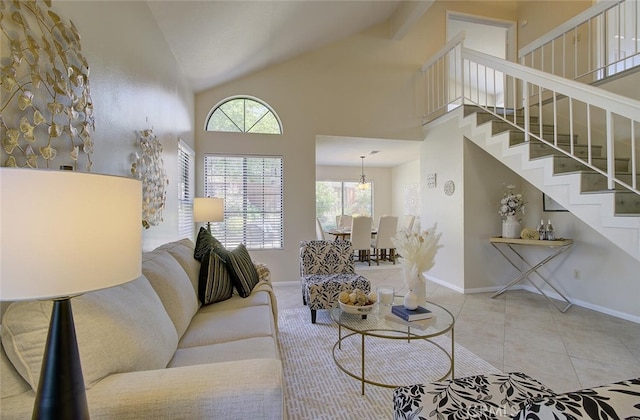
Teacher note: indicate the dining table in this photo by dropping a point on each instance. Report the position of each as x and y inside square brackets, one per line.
[343, 234]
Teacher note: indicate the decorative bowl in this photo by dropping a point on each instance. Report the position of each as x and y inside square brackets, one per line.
[353, 309]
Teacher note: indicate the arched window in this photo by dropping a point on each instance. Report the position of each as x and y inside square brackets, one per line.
[242, 114]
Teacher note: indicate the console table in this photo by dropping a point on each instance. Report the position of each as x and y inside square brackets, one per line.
[556, 248]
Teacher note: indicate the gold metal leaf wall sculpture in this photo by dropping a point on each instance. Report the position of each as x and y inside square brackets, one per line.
[46, 111]
[149, 168]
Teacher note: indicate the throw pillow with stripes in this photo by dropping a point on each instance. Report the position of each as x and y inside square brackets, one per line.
[214, 283]
[243, 272]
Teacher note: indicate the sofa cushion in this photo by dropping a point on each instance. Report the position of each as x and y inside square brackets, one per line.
[214, 327]
[256, 298]
[215, 283]
[243, 272]
[172, 284]
[204, 242]
[120, 329]
[182, 251]
[249, 348]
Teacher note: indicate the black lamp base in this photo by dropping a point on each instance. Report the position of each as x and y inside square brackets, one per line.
[61, 392]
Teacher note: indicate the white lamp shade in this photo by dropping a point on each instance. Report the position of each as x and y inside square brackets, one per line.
[208, 209]
[64, 233]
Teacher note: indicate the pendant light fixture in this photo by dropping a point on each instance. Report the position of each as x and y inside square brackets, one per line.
[363, 184]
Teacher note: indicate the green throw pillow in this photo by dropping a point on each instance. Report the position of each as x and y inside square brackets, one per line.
[214, 284]
[243, 272]
[204, 243]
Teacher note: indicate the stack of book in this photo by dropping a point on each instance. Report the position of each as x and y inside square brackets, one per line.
[417, 318]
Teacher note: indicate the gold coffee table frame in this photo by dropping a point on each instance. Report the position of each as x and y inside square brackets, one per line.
[377, 326]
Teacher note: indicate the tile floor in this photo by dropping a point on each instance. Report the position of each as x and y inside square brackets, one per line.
[522, 331]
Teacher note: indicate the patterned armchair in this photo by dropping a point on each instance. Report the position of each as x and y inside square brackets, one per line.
[326, 269]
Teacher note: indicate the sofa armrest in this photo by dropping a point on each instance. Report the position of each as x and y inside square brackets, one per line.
[251, 388]
[264, 274]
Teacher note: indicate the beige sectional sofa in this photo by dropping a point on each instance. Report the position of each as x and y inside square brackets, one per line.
[149, 350]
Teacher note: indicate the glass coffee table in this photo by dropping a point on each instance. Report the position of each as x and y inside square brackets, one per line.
[398, 333]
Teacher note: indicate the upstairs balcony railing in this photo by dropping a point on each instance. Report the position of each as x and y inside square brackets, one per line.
[597, 129]
[602, 41]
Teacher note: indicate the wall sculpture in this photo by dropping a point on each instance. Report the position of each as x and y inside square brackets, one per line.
[46, 111]
[149, 168]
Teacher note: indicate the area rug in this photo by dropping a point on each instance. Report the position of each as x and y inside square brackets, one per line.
[315, 388]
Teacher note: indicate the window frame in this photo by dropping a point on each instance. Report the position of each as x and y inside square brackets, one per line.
[268, 231]
[186, 189]
[344, 185]
[244, 131]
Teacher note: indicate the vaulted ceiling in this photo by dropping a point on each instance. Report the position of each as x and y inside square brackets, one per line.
[218, 41]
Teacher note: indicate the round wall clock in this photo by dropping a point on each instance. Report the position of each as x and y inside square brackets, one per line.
[449, 187]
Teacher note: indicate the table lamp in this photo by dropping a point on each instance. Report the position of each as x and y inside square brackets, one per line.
[208, 210]
[62, 234]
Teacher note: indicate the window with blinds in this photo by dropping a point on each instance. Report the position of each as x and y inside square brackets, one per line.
[252, 188]
[186, 169]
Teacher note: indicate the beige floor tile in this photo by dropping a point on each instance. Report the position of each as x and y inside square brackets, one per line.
[612, 352]
[520, 340]
[593, 373]
[552, 369]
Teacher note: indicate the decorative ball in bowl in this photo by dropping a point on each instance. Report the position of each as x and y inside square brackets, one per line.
[354, 309]
[357, 302]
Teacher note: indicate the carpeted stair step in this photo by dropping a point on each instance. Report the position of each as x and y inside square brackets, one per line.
[627, 203]
[564, 164]
[591, 181]
[517, 136]
[539, 149]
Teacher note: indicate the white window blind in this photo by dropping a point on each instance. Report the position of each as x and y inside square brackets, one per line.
[252, 189]
[186, 169]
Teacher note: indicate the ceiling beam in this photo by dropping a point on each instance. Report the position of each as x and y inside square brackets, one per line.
[406, 15]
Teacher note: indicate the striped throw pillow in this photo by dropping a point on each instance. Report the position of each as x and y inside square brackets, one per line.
[214, 283]
[243, 272]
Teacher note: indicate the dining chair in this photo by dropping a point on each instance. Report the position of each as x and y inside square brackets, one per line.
[381, 243]
[361, 237]
[319, 230]
[343, 221]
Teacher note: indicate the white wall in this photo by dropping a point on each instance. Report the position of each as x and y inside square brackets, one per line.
[135, 84]
[442, 154]
[608, 278]
[485, 180]
[403, 177]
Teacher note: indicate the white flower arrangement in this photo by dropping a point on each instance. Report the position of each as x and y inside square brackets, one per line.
[417, 251]
[511, 203]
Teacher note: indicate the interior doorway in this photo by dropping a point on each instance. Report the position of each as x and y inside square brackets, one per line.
[490, 36]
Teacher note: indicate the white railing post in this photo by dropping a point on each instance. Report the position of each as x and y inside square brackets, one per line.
[610, 152]
[525, 104]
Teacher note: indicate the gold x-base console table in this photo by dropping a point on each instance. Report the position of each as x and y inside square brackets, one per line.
[557, 247]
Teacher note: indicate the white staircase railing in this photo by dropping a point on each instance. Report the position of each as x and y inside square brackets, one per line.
[442, 96]
[598, 43]
[560, 106]
[516, 93]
